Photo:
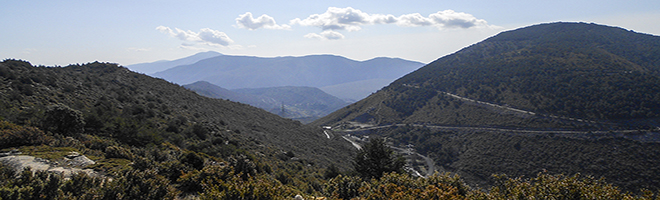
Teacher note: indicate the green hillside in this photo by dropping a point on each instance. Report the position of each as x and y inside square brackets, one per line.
[113, 99]
[563, 97]
[120, 117]
[576, 70]
[570, 70]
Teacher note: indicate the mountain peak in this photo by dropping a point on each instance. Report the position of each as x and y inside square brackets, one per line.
[208, 54]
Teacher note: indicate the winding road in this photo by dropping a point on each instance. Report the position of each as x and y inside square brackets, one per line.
[430, 164]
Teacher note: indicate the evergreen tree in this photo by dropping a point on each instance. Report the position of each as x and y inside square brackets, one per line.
[375, 159]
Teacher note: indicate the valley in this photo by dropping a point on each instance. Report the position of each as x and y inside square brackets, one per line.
[574, 107]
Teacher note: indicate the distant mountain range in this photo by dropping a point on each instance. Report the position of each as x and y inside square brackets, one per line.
[560, 97]
[341, 77]
[153, 67]
[305, 104]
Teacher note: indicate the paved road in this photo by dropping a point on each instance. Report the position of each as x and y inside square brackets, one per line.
[506, 107]
[430, 164]
[326, 134]
[355, 144]
[512, 130]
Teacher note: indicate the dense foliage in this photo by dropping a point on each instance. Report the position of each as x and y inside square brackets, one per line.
[222, 182]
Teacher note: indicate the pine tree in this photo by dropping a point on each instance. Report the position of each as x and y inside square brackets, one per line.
[375, 159]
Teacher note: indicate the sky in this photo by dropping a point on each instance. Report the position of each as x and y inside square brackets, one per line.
[58, 33]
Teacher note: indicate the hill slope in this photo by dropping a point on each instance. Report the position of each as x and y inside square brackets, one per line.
[140, 110]
[234, 72]
[553, 97]
[574, 70]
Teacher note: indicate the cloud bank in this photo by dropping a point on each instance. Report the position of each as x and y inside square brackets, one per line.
[264, 21]
[331, 22]
[205, 36]
[350, 19]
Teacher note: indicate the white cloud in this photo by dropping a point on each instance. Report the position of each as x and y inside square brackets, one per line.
[214, 37]
[336, 19]
[205, 36]
[350, 19]
[326, 35]
[452, 19]
[264, 21]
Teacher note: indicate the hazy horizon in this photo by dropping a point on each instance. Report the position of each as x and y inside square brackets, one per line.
[127, 32]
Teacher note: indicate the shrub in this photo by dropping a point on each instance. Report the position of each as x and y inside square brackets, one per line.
[63, 120]
[118, 152]
[193, 160]
[12, 135]
[546, 186]
[344, 187]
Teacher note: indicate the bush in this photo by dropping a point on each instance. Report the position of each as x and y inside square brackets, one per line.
[193, 160]
[118, 152]
[63, 120]
[140, 185]
[344, 187]
[12, 135]
[331, 172]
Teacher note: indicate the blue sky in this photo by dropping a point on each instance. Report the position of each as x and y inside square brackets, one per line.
[128, 32]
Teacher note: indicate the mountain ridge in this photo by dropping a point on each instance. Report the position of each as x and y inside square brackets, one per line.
[157, 66]
[234, 72]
